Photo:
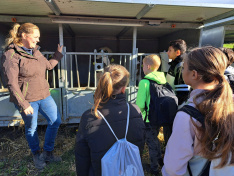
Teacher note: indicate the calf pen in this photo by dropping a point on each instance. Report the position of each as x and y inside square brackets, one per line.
[73, 82]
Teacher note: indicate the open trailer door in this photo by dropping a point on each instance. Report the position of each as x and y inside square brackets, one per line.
[213, 33]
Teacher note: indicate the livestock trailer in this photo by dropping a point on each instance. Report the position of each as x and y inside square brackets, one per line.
[98, 32]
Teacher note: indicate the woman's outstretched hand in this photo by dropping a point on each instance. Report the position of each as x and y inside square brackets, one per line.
[60, 48]
[28, 110]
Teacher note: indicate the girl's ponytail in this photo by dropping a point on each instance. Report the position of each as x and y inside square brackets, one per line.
[114, 78]
[216, 105]
[15, 34]
[103, 92]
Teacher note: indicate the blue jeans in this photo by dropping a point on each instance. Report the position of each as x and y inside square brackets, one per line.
[49, 110]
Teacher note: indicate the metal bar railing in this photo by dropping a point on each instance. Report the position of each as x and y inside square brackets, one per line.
[51, 74]
[92, 62]
[90, 57]
[95, 73]
[77, 72]
[120, 60]
[71, 70]
[74, 71]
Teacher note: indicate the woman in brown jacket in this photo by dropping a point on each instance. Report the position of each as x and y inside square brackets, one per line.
[24, 69]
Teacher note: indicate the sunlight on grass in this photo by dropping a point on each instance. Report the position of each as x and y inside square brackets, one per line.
[16, 158]
[228, 45]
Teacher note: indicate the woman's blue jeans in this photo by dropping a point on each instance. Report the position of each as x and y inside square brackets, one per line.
[48, 108]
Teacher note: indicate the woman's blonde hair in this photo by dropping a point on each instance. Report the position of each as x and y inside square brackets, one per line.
[114, 78]
[217, 105]
[15, 34]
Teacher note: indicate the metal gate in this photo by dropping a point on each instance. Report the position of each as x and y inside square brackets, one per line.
[83, 70]
[72, 84]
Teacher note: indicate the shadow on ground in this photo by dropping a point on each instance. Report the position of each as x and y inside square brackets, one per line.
[16, 158]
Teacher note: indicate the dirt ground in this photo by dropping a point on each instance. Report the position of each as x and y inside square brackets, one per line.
[16, 158]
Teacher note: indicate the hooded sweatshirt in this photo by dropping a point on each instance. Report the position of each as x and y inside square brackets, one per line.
[143, 94]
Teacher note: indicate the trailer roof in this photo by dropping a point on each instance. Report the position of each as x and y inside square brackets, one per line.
[184, 14]
[198, 3]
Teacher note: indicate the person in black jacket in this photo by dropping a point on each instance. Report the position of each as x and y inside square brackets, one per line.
[94, 137]
[176, 50]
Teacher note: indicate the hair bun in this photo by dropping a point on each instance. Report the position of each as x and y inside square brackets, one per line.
[229, 54]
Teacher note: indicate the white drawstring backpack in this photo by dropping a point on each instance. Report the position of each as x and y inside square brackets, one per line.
[123, 158]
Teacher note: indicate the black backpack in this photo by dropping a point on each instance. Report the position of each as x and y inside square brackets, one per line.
[163, 104]
[193, 112]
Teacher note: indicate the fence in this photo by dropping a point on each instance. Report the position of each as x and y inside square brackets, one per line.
[73, 82]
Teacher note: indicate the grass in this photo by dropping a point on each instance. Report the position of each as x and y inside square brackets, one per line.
[16, 158]
[228, 45]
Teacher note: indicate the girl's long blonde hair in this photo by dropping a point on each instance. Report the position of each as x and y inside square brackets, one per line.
[113, 78]
[217, 105]
[15, 34]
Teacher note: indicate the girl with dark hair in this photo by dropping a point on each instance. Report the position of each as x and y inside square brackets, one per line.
[94, 137]
[192, 143]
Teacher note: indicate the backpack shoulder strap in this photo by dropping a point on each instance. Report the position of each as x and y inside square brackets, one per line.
[110, 126]
[147, 79]
[152, 82]
[127, 122]
[193, 112]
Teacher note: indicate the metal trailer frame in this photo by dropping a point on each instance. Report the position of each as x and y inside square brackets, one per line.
[72, 100]
[67, 94]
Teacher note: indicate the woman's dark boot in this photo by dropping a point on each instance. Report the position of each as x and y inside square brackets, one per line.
[48, 156]
[39, 164]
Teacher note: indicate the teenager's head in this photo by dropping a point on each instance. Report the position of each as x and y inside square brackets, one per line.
[151, 63]
[113, 81]
[209, 64]
[26, 35]
[229, 54]
[176, 48]
[205, 65]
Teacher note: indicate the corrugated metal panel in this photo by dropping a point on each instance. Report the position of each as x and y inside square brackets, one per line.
[169, 13]
[181, 13]
[24, 7]
[71, 7]
[150, 32]
[198, 3]
[98, 8]
[96, 30]
[128, 10]
[112, 31]
[50, 29]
